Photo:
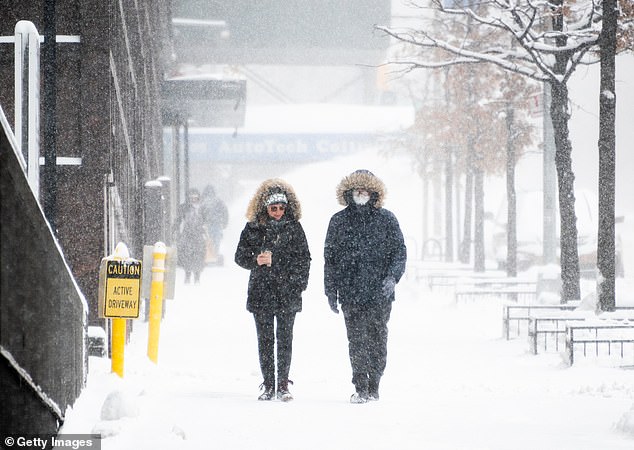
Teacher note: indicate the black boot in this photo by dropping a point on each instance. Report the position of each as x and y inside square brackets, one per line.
[269, 391]
[283, 392]
[360, 381]
[359, 397]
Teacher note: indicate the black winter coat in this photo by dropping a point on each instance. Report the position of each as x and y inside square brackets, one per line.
[278, 288]
[364, 245]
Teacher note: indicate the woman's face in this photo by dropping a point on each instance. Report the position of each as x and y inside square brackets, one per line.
[276, 210]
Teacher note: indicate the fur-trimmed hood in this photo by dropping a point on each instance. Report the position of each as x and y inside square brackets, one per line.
[256, 211]
[361, 179]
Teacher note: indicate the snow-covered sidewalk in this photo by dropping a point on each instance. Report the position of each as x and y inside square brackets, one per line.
[452, 382]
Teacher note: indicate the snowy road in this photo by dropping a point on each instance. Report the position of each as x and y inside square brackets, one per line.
[451, 383]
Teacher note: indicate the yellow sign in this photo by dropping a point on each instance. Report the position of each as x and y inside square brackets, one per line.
[120, 288]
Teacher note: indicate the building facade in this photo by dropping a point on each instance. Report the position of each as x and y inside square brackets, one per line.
[103, 115]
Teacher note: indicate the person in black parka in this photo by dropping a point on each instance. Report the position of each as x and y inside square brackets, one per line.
[274, 248]
[364, 258]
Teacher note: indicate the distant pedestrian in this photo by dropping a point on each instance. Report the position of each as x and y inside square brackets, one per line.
[364, 255]
[190, 234]
[216, 217]
[274, 248]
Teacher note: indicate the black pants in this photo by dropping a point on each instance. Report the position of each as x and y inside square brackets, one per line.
[267, 335]
[367, 344]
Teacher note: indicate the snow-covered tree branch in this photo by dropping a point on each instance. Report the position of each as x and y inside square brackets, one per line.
[521, 37]
[539, 39]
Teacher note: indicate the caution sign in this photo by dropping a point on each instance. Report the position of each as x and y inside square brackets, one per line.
[119, 288]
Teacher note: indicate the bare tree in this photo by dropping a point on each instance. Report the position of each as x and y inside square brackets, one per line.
[468, 134]
[549, 40]
[607, 144]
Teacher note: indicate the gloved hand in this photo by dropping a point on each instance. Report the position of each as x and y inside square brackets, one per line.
[332, 301]
[388, 286]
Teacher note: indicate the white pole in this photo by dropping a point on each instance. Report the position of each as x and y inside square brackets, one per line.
[27, 98]
[34, 112]
[19, 65]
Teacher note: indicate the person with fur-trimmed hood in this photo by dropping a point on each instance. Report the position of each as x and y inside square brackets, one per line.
[364, 258]
[274, 248]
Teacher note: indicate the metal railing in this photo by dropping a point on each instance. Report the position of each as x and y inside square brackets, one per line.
[601, 337]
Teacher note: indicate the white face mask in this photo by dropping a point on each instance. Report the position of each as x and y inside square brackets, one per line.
[360, 197]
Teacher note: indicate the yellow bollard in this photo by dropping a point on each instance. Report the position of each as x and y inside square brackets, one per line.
[156, 300]
[118, 345]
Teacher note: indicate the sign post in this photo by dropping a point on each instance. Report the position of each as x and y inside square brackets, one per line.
[118, 346]
[119, 295]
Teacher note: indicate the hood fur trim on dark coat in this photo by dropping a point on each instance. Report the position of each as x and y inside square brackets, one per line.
[361, 179]
[256, 211]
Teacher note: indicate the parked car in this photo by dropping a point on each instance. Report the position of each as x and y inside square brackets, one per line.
[530, 213]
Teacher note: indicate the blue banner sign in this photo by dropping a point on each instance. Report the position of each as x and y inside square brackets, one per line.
[300, 147]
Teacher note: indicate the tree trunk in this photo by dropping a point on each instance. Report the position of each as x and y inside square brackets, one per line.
[511, 201]
[478, 238]
[437, 196]
[607, 143]
[457, 211]
[565, 181]
[569, 259]
[549, 184]
[465, 247]
[448, 205]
